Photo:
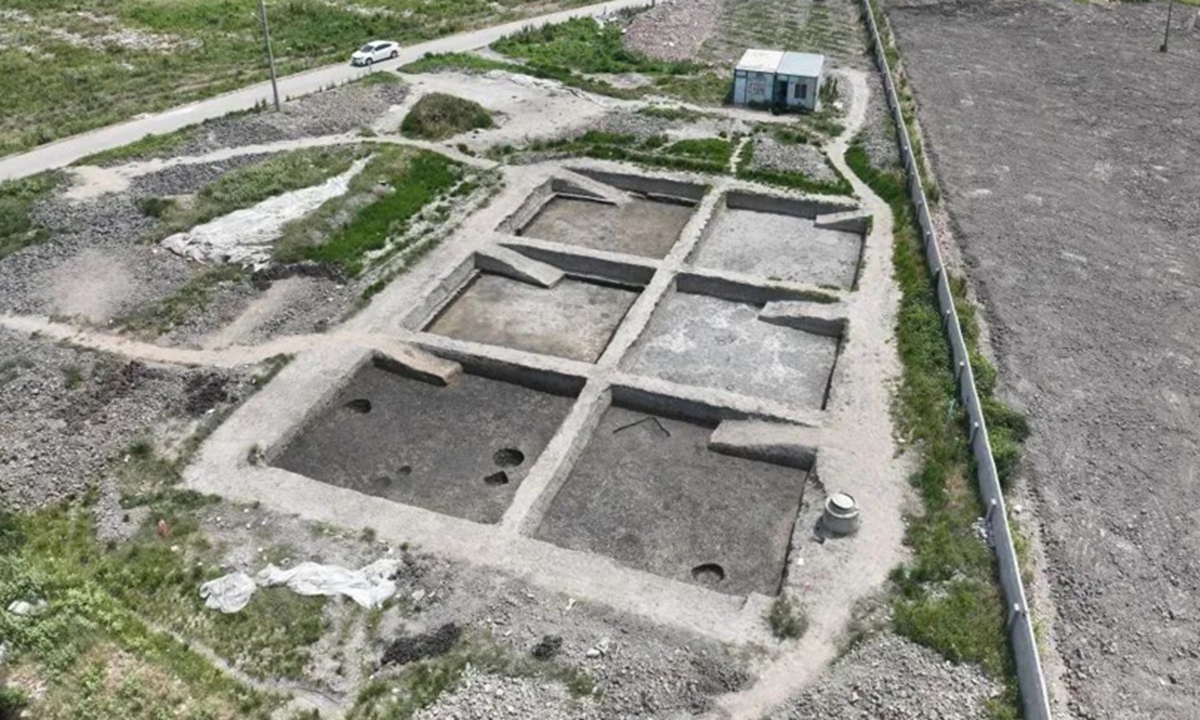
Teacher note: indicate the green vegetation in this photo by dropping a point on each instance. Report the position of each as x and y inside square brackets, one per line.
[574, 51]
[187, 301]
[149, 146]
[190, 49]
[92, 646]
[708, 155]
[587, 46]
[422, 683]
[416, 178]
[786, 619]
[438, 116]
[17, 228]
[947, 596]
[247, 186]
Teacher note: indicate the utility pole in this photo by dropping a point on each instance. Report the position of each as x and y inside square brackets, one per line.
[262, 19]
[1167, 30]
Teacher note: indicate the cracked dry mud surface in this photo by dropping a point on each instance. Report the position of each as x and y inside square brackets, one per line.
[1072, 189]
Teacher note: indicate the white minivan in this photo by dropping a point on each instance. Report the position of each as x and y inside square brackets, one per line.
[374, 52]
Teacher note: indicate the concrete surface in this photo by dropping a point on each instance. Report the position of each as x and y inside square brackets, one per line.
[780, 247]
[462, 449]
[638, 227]
[574, 319]
[700, 340]
[648, 493]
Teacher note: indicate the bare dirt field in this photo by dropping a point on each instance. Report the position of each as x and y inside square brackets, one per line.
[1066, 147]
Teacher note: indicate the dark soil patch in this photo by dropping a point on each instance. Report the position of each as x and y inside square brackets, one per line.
[425, 645]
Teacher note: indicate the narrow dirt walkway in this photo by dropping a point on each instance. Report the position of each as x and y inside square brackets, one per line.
[882, 483]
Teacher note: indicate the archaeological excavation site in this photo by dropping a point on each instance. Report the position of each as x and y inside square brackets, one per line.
[618, 362]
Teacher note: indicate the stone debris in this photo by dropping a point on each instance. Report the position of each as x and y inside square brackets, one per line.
[673, 29]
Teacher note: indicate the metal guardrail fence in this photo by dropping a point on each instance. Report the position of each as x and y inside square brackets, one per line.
[1034, 700]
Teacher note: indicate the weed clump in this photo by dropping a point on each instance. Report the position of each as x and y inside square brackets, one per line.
[786, 619]
[438, 116]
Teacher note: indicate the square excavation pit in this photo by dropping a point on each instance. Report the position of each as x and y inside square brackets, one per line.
[779, 246]
[648, 493]
[575, 319]
[709, 342]
[460, 450]
[646, 228]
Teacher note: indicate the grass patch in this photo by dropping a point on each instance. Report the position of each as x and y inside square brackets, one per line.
[710, 155]
[416, 179]
[438, 116]
[947, 596]
[17, 228]
[149, 146]
[91, 646]
[420, 684]
[250, 185]
[214, 46]
[469, 63]
[786, 619]
[586, 46]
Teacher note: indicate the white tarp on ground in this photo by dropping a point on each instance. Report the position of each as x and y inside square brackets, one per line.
[368, 587]
[228, 593]
[245, 236]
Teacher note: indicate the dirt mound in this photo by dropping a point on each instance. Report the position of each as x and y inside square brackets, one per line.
[425, 645]
[673, 30]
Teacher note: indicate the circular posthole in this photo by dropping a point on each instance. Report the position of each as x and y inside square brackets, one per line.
[405, 470]
[359, 405]
[496, 478]
[708, 574]
[383, 481]
[508, 457]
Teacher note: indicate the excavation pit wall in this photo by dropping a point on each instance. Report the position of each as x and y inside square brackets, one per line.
[721, 598]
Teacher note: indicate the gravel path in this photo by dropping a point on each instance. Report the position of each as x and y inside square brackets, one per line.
[1073, 190]
[889, 678]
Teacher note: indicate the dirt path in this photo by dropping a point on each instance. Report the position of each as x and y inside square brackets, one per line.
[872, 311]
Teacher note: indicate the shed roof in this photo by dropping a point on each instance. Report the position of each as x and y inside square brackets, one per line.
[762, 61]
[801, 64]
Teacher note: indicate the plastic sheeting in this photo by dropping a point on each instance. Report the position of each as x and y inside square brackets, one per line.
[368, 586]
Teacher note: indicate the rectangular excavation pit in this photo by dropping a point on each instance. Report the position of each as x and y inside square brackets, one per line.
[461, 450]
[711, 342]
[642, 227]
[778, 239]
[648, 493]
[575, 319]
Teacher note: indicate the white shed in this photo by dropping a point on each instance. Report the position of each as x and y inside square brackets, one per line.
[775, 78]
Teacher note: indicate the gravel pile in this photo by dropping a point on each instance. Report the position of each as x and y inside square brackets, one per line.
[93, 266]
[625, 122]
[492, 696]
[771, 154]
[640, 669]
[189, 179]
[340, 110]
[673, 29]
[878, 133]
[890, 678]
[65, 413]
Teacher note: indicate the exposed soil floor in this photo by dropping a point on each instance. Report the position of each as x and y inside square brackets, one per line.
[462, 449]
[1072, 191]
[649, 493]
[707, 341]
[781, 247]
[574, 319]
[639, 227]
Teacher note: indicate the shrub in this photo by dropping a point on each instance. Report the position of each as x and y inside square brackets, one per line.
[438, 116]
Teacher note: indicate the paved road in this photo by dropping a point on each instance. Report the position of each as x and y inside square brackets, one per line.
[68, 150]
